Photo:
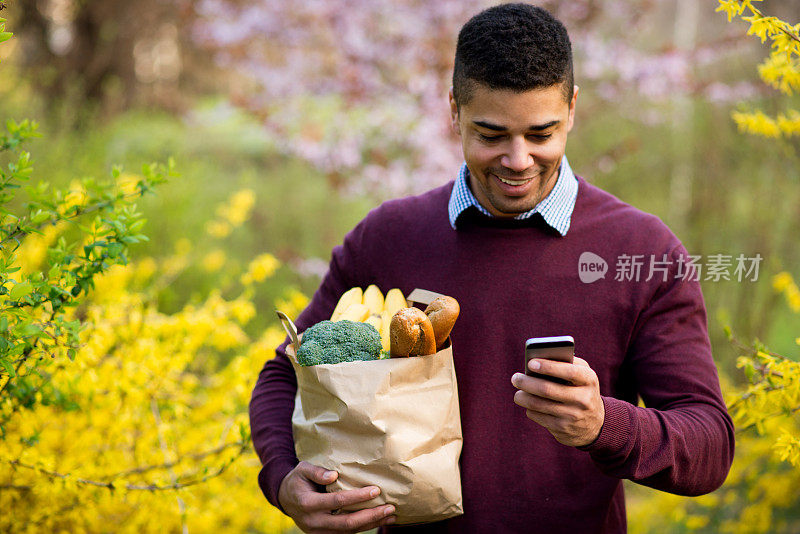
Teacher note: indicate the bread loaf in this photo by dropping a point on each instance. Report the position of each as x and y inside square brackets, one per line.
[411, 334]
[442, 312]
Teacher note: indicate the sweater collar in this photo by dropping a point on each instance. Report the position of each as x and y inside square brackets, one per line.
[556, 209]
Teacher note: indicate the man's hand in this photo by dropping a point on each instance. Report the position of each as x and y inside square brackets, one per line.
[573, 414]
[313, 511]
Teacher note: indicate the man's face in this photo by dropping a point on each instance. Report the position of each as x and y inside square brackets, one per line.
[513, 143]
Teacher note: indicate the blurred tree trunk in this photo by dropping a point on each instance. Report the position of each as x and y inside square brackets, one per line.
[685, 38]
[108, 53]
[96, 47]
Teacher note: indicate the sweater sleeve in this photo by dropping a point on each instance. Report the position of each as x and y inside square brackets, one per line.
[682, 442]
[272, 401]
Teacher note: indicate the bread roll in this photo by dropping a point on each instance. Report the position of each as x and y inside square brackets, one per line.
[442, 312]
[411, 334]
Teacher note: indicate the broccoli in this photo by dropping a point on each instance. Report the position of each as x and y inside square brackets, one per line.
[339, 341]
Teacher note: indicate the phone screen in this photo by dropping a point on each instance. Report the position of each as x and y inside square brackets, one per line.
[559, 348]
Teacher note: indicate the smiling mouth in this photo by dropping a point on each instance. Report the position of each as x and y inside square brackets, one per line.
[514, 182]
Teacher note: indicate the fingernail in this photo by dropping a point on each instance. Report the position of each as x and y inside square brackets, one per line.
[388, 510]
[533, 365]
[329, 475]
[374, 492]
[515, 378]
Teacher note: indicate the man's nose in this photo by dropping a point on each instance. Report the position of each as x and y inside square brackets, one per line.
[517, 158]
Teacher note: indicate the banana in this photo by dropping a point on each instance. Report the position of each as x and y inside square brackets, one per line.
[375, 321]
[394, 301]
[386, 320]
[355, 312]
[373, 299]
[351, 296]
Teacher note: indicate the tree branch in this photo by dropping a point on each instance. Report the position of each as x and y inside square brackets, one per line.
[751, 425]
[71, 219]
[781, 24]
[178, 484]
[168, 465]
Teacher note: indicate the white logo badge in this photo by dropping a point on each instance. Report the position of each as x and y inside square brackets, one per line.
[591, 267]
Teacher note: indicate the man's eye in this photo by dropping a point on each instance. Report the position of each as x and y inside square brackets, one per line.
[540, 137]
[489, 138]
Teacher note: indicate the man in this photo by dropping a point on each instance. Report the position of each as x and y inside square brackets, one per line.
[505, 239]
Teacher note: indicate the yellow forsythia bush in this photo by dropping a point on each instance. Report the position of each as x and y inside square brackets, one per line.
[762, 491]
[144, 435]
[760, 494]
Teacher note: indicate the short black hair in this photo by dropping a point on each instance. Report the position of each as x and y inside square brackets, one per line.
[512, 46]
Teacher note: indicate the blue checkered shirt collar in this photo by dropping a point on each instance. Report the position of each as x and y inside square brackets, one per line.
[555, 209]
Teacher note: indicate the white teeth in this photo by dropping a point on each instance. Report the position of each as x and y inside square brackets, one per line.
[513, 182]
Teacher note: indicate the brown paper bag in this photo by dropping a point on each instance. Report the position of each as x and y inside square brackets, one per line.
[390, 423]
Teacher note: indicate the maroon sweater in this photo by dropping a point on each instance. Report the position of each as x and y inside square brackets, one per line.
[515, 280]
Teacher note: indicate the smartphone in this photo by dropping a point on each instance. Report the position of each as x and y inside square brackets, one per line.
[558, 348]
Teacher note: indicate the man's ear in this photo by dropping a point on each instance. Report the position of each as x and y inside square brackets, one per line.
[572, 103]
[453, 112]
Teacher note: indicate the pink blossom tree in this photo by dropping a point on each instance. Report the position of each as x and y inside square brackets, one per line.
[359, 88]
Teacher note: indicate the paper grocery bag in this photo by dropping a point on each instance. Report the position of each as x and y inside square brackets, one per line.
[391, 423]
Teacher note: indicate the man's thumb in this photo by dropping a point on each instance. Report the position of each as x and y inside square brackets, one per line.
[317, 474]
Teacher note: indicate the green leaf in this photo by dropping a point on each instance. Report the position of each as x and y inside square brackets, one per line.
[28, 330]
[20, 290]
[114, 250]
[8, 367]
[750, 372]
[39, 217]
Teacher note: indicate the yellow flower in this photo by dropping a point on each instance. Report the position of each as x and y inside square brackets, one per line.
[127, 182]
[757, 123]
[214, 260]
[239, 207]
[731, 8]
[145, 268]
[694, 522]
[261, 268]
[172, 265]
[790, 125]
[293, 303]
[227, 336]
[794, 302]
[264, 347]
[33, 250]
[781, 281]
[218, 229]
[242, 310]
[76, 196]
[183, 246]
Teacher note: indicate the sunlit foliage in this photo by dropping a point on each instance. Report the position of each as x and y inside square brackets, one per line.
[115, 416]
[760, 494]
[781, 69]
